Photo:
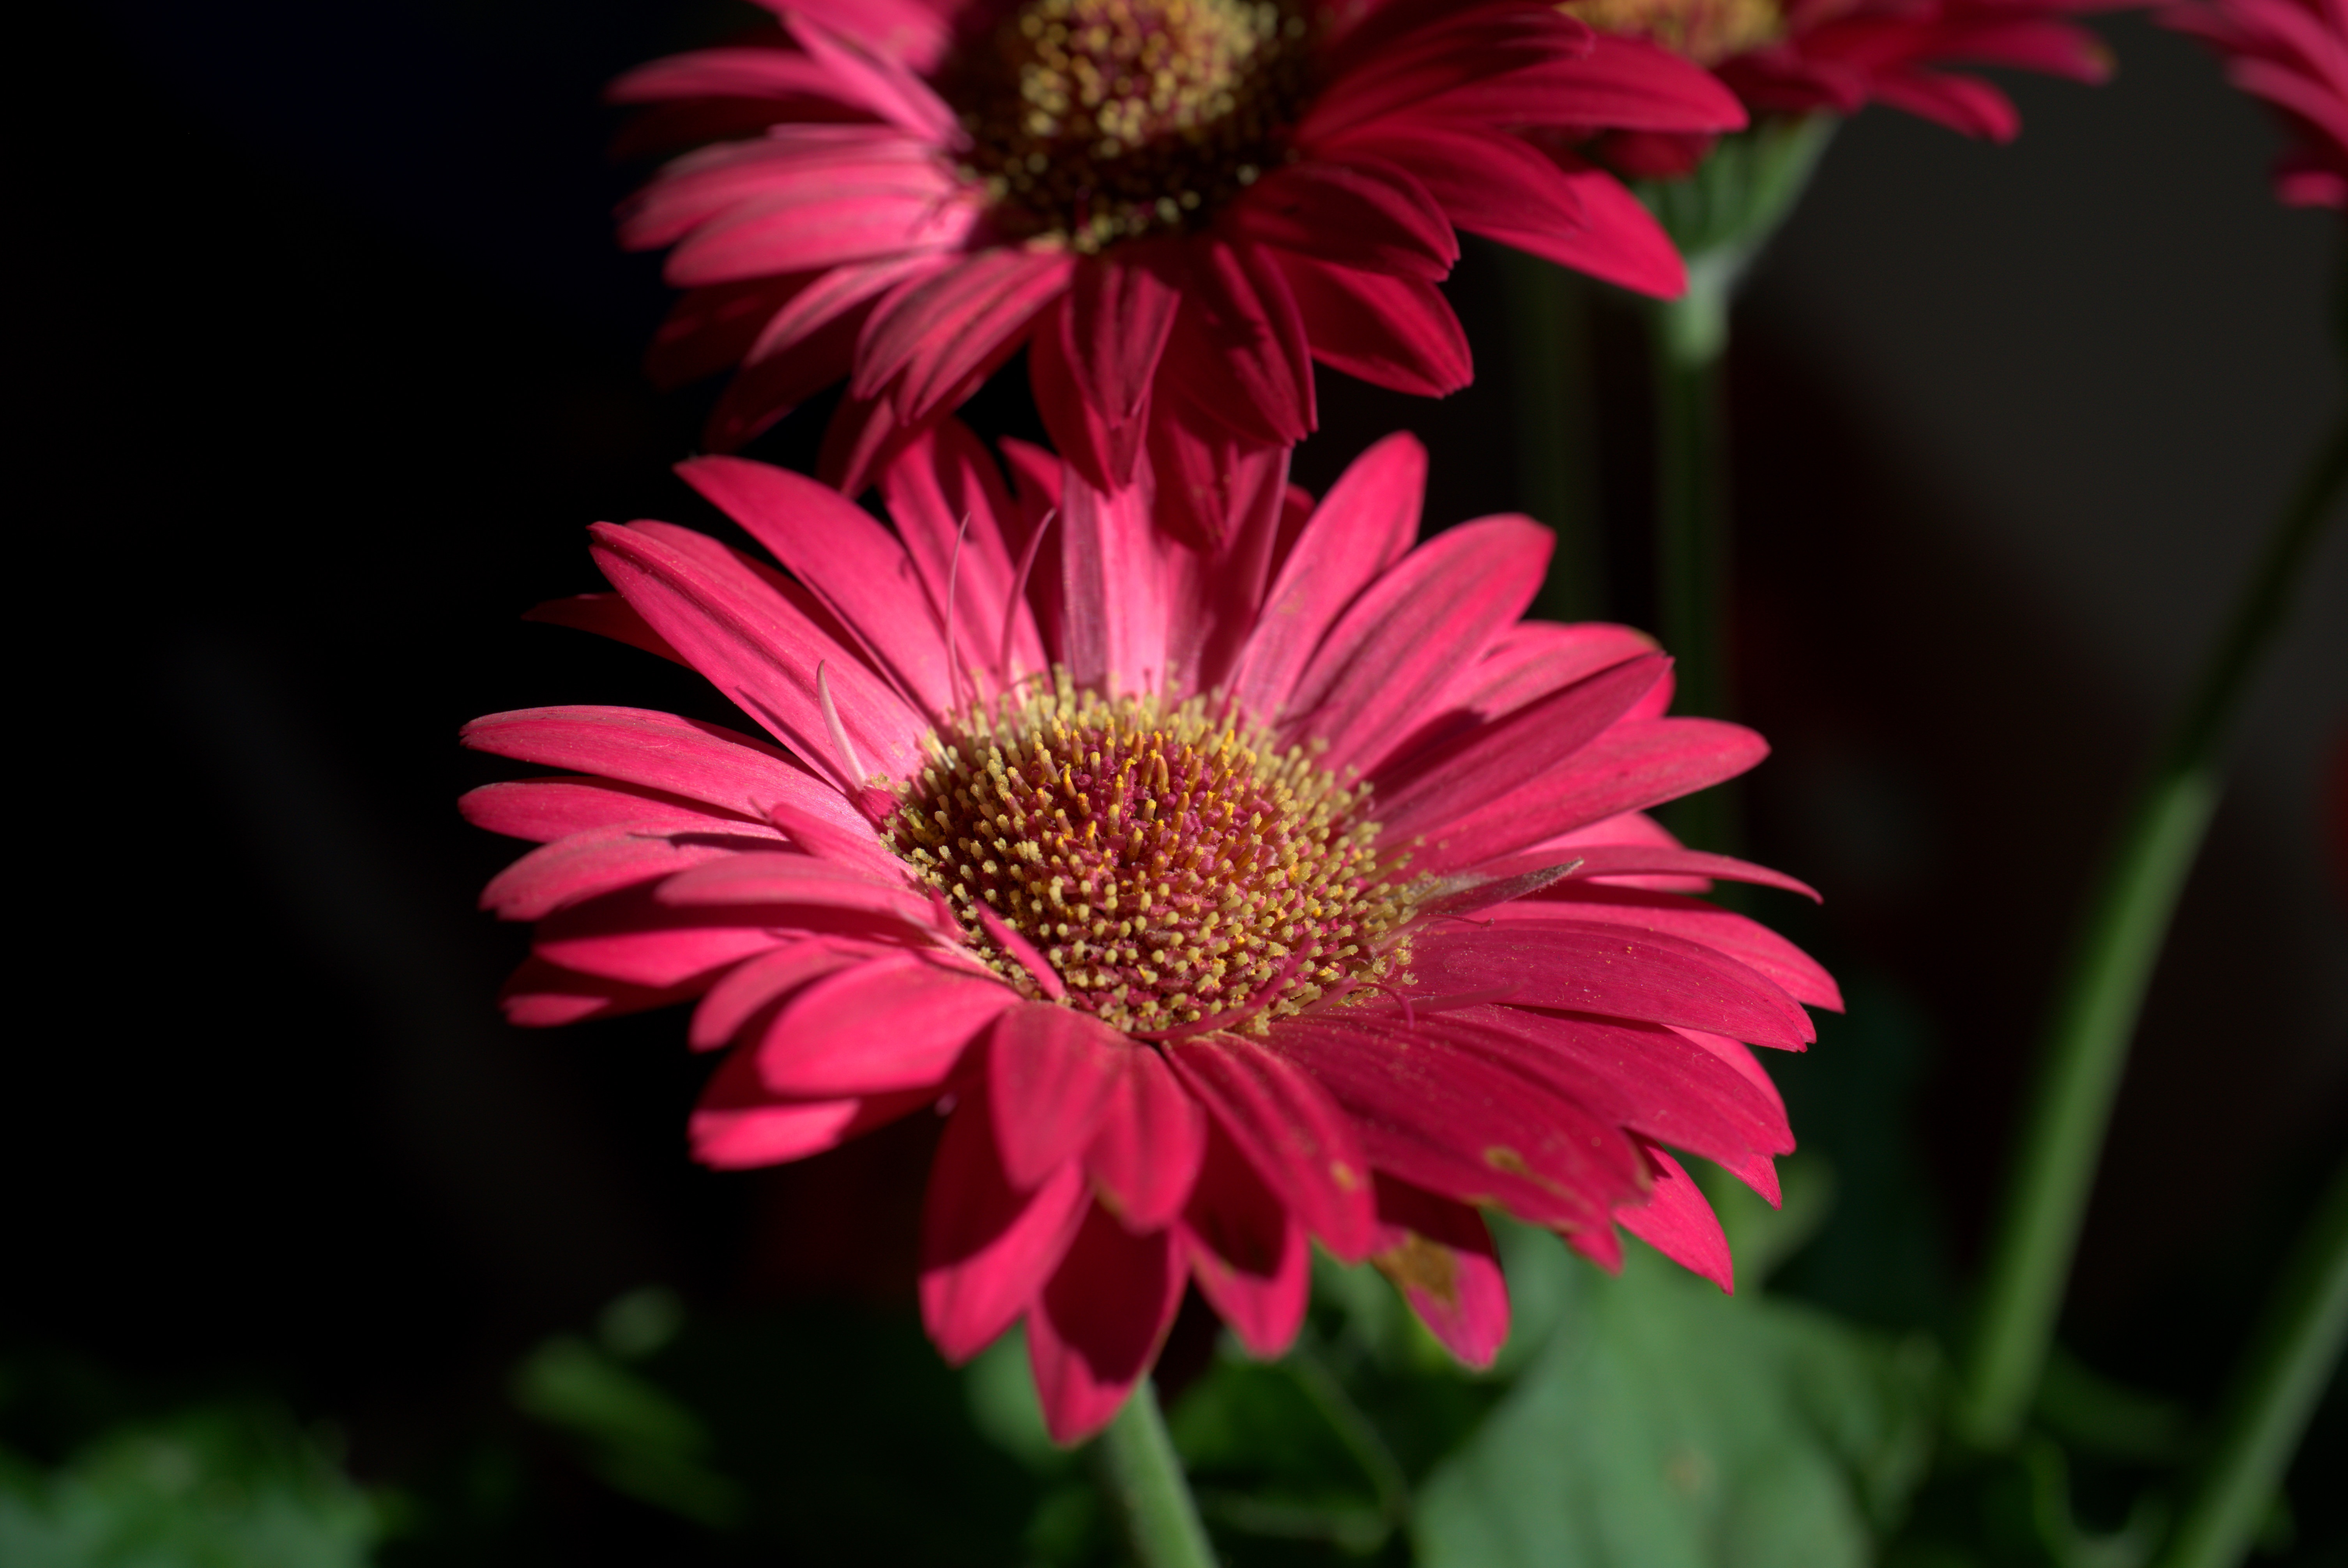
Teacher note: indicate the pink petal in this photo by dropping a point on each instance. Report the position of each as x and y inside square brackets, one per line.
[1619, 240]
[914, 33]
[1621, 83]
[606, 615]
[751, 987]
[543, 810]
[1097, 1328]
[1460, 1125]
[1113, 619]
[1239, 349]
[1528, 661]
[710, 329]
[1402, 641]
[624, 936]
[1440, 1256]
[1289, 1128]
[803, 226]
[930, 335]
[893, 1023]
[1447, 781]
[1363, 526]
[853, 564]
[877, 81]
[1145, 1155]
[1632, 767]
[732, 73]
[738, 1125]
[1361, 213]
[659, 750]
[986, 1248]
[778, 880]
[1102, 448]
[1597, 969]
[1052, 1071]
[540, 995]
[1121, 312]
[1246, 1250]
[1749, 942]
[764, 655]
[1391, 331]
[948, 500]
[831, 296]
[587, 866]
[1676, 1222]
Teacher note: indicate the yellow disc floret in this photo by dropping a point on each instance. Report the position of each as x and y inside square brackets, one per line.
[1094, 121]
[1172, 866]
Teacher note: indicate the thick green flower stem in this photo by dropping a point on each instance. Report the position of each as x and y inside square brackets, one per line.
[2085, 1047]
[2290, 1360]
[1691, 335]
[1557, 443]
[1141, 1477]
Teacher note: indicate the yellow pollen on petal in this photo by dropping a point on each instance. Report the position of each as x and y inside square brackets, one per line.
[1210, 930]
[1093, 121]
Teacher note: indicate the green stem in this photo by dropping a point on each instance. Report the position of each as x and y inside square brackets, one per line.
[2086, 1044]
[1556, 446]
[1141, 1476]
[1691, 336]
[2289, 1363]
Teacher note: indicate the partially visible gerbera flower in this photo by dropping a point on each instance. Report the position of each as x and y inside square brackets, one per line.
[1221, 898]
[1835, 56]
[2293, 54]
[1175, 204]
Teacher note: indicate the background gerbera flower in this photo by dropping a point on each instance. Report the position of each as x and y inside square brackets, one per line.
[1837, 57]
[1176, 204]
[2291, 54]
[1224, 896]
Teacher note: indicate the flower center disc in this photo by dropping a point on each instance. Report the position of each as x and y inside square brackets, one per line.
[1173, 870]
[1704, 31]
[1096, 120]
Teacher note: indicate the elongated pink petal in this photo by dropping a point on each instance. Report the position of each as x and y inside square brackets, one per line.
[1676, 1222]
[1121, 312]
[626, 936]
[794, 165]
[1632, 767]
[1300, 1142]
[1461, 1126]
[540, 995]
[930, 335]
[1112, 587]
[732, 73]
[1391, 331]
[914, 33]
[543, 810]
[764, 655]
[875, 79]
[1440, 1255]
[1621, 862]
[1096, 1327]
[1449, 780]
[1101, 448]
[831, 296]
[987, 1247]
[1238, 352]
[1145, 1154]
[1360, 213]
[951, 506]
[1246, 1250]
[1054, 1071]
[606, 615]
[804, 227]
[1596, 968]
[738, 1125]
[893, 1023]
[860, 572]
[1528, 661]
[657, 750]
[1624, 84]
[1361, 529]
[778, 880]
[1750, 943]
[751, 987]
[589, 865]
[1618, 241]
[1481, 178]
[1402, 641]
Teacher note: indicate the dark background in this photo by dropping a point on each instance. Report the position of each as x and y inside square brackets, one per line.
[326, 357]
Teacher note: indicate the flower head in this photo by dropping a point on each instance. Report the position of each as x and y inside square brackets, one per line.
[1225, 894]
[1805, 56]
[1175, 205]
[2293, 54]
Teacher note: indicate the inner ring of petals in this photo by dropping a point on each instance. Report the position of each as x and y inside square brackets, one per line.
[1172, 866]
[1096, 120]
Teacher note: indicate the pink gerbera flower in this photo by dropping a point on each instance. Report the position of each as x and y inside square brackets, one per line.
[2293, 54]
[1806, 56]
[1222, 897]
[1175, 204]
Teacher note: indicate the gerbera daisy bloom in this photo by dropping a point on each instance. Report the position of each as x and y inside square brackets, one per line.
[1176, 205]
[1222, 897]
[2293, 54]
[1835, 56]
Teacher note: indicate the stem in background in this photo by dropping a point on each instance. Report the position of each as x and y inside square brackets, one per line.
[2289, 1362]
[1556, 411]
[1141, 1477]
[1691, 337]
[2086, 1044]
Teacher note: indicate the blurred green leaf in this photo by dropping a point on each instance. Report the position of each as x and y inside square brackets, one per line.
[218, 1488]
[1664, 1425]
[640, 1439]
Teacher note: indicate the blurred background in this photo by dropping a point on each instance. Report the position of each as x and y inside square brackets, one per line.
[328, 358]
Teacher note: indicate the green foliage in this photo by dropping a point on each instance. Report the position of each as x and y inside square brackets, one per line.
[217, 1487]
[1663, 1424]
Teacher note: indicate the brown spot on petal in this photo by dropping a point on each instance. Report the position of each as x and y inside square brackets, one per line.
[1419, 1264]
